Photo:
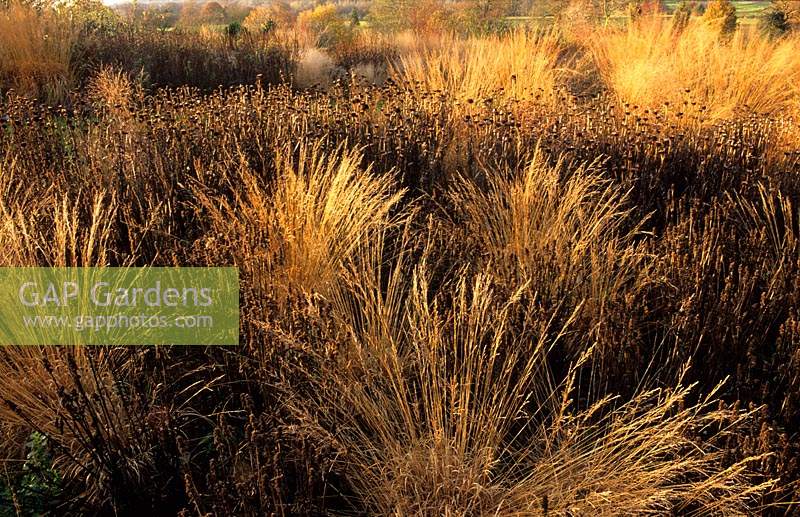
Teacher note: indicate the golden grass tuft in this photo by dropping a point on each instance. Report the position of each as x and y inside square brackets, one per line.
[320, 209]
[53, 230]
[112, 90]
[564, 228]
[35, 52]
[452, 411]
[518, 66]
[649, 63]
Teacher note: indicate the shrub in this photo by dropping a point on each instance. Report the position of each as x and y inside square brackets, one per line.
[38, 488]
[646, 8]
[112, 91]
[682, 15]
[479, 16]
[774, 22]
[790, 7]
[267, 18]
[721, 16]
[420, 16]
[577, 18]
[233, 30]
[91, 16]
[325, 26]
[212, 13]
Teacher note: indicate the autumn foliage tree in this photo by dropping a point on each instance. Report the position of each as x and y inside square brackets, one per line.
[681, 16]
[480, 15]
[265, 18]
[790, 8]
[572, 12]
[646, 8]
[212, 13]
[209, 13]
[416, 15]
[721, 16]
[325, 25]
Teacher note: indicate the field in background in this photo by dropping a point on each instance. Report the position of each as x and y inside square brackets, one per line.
[747, 10]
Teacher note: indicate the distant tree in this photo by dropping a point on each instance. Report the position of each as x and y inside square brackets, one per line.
[605, 9]
[577, 14]
[642, 8]
[683, 13]
[187, 15]
[237, 10]
[790, 7]
[157, 17]
[548, 7]
[355, 19]
[267, 18]
[418, 15]
[212, 13]
[319, 19]
[774, 22]
[653, 7]
[580, 11]
[325, 25]
[90, 15]
[721, 16]
[484, 15]
[490, 9]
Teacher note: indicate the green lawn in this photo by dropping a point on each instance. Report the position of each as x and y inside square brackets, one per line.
[747, 11]
[744, 8]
